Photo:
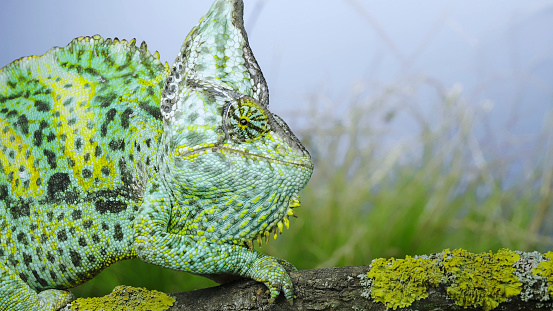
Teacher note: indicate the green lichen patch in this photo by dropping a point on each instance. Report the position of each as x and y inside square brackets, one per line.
[399, 282]
[481, 280]
[545, 269]
[126, 298]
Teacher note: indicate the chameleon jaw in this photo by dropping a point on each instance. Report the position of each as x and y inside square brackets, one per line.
[194, 153]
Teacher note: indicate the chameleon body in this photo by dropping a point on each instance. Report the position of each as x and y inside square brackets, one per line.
[107, 154]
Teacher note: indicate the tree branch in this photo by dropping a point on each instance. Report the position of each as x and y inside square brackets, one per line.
[445, 281]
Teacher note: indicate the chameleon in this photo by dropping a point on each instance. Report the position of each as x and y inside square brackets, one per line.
[108, 154]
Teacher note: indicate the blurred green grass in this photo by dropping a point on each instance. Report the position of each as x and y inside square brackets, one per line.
[371, 196]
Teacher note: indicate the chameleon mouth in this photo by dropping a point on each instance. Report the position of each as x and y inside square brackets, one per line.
[277, 228]
[204, 150]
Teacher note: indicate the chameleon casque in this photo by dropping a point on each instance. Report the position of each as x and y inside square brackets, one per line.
[108, 154]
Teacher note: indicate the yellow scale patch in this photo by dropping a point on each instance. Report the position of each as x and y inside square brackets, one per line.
[18, 145]
[82, 97]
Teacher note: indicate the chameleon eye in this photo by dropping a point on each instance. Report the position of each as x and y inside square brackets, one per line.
[246, 121]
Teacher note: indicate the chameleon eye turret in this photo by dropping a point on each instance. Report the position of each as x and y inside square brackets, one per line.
[245, 121]
[108, 154]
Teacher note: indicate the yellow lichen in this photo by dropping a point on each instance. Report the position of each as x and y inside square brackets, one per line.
[481, 280]
[399, 282]
[126, 298]
[545, 269]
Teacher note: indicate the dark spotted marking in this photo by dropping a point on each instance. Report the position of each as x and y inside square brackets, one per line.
[58, 183]
[95, 238]
[50, 158]
[50, 257]
[78, 143]
[87, 224]
[22, 238]
[19, 209]
[3, 192]
[97, 151]
[62, 235]
[40, 280]
[24, 277]
[109, 206]
[43, 238]
[71, 197]
[125, 118]
[86, 173]
[53, 275]
[68, 101]
[92, 72]
[82, 241]
[118, 232]
[75, 258]
[23, 124]
[117, 144]
[37, 137]
[105, 170]
[27, 259]
[107, 100]
[11, 113]
[110, 115]
[77, 214]
[151, 110]
[50, 137]
[42, 106]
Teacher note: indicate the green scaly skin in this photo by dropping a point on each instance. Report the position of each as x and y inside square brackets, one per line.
[108, 154]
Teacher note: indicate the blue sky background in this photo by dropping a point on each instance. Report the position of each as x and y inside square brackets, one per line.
[499, 51]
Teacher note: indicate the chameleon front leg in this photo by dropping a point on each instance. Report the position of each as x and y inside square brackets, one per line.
[154, 244]
[16, 295]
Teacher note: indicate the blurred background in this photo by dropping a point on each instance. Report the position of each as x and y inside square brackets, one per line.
[430, 122]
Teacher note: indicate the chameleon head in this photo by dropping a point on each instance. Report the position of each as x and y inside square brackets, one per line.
[234, 167]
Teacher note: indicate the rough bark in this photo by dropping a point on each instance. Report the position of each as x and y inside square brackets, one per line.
[506, 280]
[321, 289]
